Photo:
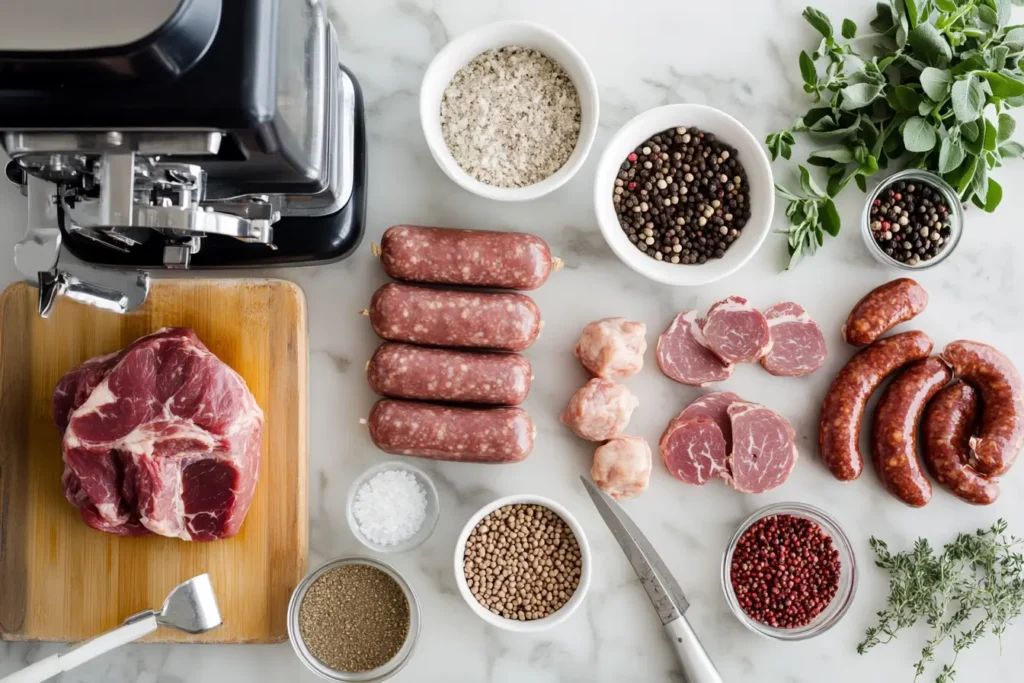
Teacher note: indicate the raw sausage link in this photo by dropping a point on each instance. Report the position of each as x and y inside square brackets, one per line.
[407, 371]
[440, 317]
[948, 426]
[1002, 398]
[894, 438]
[843, 407]
[477, 258]
[882, 309]
[426, 430]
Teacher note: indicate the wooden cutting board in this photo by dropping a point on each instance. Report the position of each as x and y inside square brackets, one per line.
[61, 580]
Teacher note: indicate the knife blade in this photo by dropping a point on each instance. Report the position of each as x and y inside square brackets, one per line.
[661, 587]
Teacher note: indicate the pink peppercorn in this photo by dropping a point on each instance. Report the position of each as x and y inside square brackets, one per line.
[632, 156]
[785, 570]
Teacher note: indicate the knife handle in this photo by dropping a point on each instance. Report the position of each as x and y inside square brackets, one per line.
[697, 666]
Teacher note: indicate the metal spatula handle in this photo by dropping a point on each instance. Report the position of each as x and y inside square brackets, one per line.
[697, 666]
[134, 628]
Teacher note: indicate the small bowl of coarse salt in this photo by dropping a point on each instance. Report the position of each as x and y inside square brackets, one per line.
[393, 507]
[509, 110]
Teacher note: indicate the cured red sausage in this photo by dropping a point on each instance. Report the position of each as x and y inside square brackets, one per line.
[476, 258]
[948, 425]
[882, 309]
[843, 407]
[438, 317]
[426, 430]
[419, 372]
[894, 437]
[1001, 434]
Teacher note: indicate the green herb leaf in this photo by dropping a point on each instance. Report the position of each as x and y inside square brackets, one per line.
[884, 21]
[808, 184]
[979, 183]
[819, 21]
[1002, 86]
[988, 15]
[968, 99]
[830, 219]
[951, 155]
[990, 136]
[946, 5]
[936, 83]
[833, 153]
[994, 196]
[1007, 124]
[1011, 150]
[1014, 38]
[861, 183]
[904, 99]
[918, 135]
[930, 45]
[859, 95]
[849, 29]
[807, 70]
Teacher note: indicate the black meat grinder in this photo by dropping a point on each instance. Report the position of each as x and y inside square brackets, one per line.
[152, 134]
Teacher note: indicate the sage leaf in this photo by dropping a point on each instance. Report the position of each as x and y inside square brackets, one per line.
[988, 15]
[936, 82]
[884, 20]
[970, 130]
[993, 197]
[849, 29]
[918, 135]
[1007, 124]
[928, 43]
[807, 183]
[819, 21]
[1011, 150]
[861, 183]
[979, 184]
[904, 99]
[997, 57]
[1014, 38]
[946, 5]
[1002, 86]
[837, 153]
[968, 99]
[990, 136]
[859, 95]
[830, 219]
[951, 155]
[1002, 12]
[925, 107]
[807, 70]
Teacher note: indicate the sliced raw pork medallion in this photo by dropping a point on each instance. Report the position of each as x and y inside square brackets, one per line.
[715, 406]
[798, 346]
[622, 467]
[600, 410]
[763, 448]
[694, 450]
[612, 348]
[684, 359]
[161, 437]
[736, 331]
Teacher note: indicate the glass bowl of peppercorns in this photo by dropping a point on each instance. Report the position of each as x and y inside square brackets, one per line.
[913, 220]
[789, 572]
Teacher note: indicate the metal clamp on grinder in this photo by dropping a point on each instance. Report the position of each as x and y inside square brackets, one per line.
[183, 134]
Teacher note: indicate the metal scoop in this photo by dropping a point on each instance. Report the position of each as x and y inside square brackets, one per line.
[191, 607]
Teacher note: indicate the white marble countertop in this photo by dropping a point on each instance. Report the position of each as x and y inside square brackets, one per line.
[739, 55]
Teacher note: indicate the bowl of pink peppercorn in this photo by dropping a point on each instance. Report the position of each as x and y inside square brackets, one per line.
[789, 572]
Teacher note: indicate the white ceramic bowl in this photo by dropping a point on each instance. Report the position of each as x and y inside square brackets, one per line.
[460, 52]
[759, 178]
[537, 624]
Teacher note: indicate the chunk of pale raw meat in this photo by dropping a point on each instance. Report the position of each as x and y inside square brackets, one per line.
[798, 346]
[612, 348]
[161, 437]
[715, 406]
[622, 467]
[600, 410]
[684, 359]
[763, 448]
[735, 331]
[694, 450]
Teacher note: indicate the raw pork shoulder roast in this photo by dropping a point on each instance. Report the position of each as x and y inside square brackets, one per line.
[161, 437]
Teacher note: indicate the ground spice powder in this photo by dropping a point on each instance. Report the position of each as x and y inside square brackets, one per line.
[354, 618]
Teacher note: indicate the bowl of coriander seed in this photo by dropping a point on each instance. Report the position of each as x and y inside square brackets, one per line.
[509, 110]
[522, 563]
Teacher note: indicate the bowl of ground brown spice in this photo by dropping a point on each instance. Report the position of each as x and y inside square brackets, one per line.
[354, 619]
[509, 110]
[522, 563]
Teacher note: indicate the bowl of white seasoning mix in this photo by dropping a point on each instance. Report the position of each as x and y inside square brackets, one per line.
[523, 564]
[509, 110]
[392, 507]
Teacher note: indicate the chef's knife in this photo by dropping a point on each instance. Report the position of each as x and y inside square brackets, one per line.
[661, 587]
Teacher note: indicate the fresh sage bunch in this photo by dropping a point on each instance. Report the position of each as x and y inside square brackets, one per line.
[928, 87]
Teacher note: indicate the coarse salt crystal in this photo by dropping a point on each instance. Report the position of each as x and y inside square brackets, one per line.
[390, 508]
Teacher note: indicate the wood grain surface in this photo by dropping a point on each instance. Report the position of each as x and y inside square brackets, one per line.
[61, 580]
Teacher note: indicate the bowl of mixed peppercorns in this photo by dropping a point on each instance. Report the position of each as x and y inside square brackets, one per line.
[789, 572]
[684, 194]
[912, 220]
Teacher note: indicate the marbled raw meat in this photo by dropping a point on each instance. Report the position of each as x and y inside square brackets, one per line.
[735, 331]
[684, 359]
[715, 406]
[694, 450]
[798, 346]
[763, 448]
